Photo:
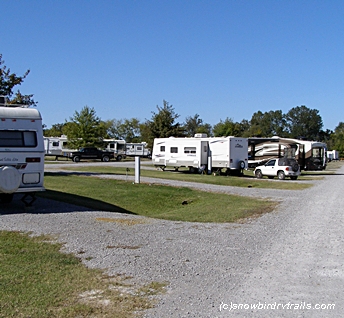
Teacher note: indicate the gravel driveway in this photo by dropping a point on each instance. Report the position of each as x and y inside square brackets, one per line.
[288, 263]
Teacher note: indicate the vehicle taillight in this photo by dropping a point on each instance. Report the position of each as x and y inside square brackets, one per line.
[286, 168]
[33, 159]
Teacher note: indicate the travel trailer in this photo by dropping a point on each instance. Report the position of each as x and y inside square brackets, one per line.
[310, 155]
[332, 155]
[57, 146]
[123, 149]
[21, 152]
[210, 154]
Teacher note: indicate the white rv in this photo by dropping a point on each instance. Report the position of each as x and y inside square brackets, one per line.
[57, 146]
[180, 152]
[206, 153]
[21, 153]
[229, 153]
[123, 149]
[332, 155]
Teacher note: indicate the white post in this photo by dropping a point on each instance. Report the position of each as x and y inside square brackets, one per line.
[137, 169]
[209, 162]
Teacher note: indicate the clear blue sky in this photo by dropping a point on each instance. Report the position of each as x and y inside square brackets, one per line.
[218, 59]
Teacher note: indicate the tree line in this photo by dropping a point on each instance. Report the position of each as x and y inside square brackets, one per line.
[85, 128]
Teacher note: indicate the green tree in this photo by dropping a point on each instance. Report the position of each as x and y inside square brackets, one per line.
[56, 130]
[303, 122]
[194, 125]
[85, 129]
[8, 81]
[126, 129]
[268, 124]
[163, 124]
[227, 128]
[337, 139]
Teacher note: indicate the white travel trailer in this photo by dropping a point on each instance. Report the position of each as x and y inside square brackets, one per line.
[332, 155]
[122, 149]
[206, 153]
[57, 146]
[229, 153]
[21, 152]
[180, 152]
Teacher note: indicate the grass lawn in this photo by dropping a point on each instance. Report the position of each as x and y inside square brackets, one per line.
[156, 201]
[39, 281]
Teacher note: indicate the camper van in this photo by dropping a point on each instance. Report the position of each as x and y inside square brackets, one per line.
[21, 152]
[311, 155]
[210, 154]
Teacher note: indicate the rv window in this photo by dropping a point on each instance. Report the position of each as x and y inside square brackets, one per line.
[174, 149]
[17, 138]
[139, 148]
[56, 143]
[189, 149]
[162, 148]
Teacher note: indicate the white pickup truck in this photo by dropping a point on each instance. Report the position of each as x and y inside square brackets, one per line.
[281, 168]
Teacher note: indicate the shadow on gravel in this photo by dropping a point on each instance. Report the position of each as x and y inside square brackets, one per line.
[58, 202]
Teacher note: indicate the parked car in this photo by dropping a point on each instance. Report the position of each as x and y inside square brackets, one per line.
[281, 168]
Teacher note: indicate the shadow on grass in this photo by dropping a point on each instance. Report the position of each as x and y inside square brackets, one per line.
[78, 200]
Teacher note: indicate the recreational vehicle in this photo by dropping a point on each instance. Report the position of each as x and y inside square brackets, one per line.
[332, 155]
[310, 155]
[123, 149]
[180, 152]
[203, 153]
[57, 146]
[21, 152]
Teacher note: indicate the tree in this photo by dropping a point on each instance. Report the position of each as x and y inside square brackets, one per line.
[227, 128]
[85, 129]
[8, 81]
[268, 124]
[56, 130]
[304, 123]
[338, 139]
[163, 124]
[194, 125]
[127, 129]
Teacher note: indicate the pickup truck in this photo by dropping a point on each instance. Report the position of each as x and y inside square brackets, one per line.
[91, 153]
[281, 168]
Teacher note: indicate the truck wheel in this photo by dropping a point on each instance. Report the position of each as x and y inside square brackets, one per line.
[106, 159]
[119, 158]
[281, 175]
[76, 159]
[259, 174]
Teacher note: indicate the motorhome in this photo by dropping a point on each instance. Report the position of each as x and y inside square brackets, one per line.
[21, 152]
[311, 155]
[210, 154]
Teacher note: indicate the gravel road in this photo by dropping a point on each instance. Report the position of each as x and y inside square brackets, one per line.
[288, 263]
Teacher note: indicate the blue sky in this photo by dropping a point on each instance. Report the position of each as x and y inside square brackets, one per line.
[218, 59]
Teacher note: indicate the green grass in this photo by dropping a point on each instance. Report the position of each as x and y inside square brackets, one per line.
[156, 201]
[247, 181]
[39, 281]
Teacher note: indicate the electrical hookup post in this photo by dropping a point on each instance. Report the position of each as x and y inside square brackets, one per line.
[137, 169]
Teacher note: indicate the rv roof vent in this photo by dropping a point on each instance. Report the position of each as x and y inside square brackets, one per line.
[201, 136]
